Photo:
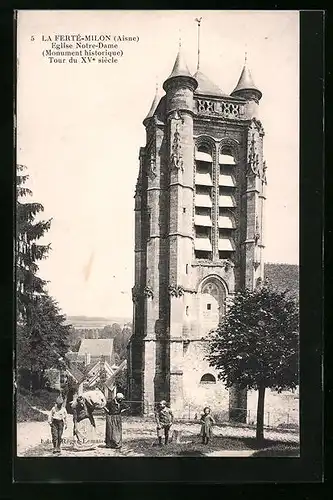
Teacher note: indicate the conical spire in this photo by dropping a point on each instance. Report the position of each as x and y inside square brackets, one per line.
[154, 105]
[180, 67]
[246, 82]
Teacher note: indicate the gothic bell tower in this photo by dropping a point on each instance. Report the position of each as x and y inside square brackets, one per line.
[198, 235]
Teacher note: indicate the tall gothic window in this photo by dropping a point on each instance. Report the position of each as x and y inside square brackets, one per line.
[203, 202]
[215, 221]
[226, 202]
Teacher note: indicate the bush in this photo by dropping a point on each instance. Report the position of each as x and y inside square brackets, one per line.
[24, 411]
[43, 400]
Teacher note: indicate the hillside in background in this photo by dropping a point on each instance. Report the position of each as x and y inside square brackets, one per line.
[96, 322]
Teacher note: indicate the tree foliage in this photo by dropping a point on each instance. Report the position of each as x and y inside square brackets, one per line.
[42, 335]
[40, 345]
[28, 250]
[120, 342]
[256, 344]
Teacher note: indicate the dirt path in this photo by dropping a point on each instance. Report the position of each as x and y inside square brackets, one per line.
[139, 439]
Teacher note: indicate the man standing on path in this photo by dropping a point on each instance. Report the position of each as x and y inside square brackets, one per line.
[164, 421]
[58, 422]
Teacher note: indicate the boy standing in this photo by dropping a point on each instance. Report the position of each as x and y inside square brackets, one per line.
[58, 422]
[164, 420]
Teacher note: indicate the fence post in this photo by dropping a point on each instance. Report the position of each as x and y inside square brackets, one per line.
[268, 419]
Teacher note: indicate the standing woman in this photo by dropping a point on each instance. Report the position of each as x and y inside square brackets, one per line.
[84, 424]
[113, 426]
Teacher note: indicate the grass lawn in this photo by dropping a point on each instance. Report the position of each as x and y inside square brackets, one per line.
[189, 446]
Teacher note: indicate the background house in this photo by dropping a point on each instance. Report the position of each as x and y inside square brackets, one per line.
[91, 350]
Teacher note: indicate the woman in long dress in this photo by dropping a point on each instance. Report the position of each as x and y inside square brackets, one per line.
[84, 425]
[113, 427]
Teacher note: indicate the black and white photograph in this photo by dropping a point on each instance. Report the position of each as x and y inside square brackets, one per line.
[157, 234]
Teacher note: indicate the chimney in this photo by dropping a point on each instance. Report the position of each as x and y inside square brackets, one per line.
[87, 358]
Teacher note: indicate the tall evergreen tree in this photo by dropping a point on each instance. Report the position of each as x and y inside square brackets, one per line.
[42, 335]
[28, 250]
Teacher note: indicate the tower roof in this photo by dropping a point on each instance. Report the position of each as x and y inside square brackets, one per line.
[206, 86]
[246, 82]
[153, 106]
[179, 68]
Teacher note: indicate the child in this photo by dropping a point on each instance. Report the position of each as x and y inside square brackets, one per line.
[207, 422]
[164, 420]
[58, 422]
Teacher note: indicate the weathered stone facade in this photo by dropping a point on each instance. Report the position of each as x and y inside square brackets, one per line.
[198, 235]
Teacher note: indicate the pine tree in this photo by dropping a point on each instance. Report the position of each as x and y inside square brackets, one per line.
[42, 335]
[28, 251]
[256, 344]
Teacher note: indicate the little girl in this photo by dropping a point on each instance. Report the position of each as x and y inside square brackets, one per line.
[207, 422]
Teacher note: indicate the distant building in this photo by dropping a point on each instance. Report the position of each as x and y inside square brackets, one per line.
[91, 350]
[100, 370]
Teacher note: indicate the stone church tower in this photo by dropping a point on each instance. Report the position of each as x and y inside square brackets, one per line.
[198, 235]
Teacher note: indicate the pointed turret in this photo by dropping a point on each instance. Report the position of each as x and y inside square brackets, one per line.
[245, 87]
[153, 107]
[180, 69]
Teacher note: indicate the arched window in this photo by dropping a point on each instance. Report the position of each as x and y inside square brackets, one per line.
[227, 155]
[208, 378]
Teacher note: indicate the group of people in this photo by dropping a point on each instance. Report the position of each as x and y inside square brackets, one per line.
[164, 421]
[84, 426]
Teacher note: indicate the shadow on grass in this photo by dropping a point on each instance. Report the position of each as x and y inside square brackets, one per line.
[278, 451]
[191, 446]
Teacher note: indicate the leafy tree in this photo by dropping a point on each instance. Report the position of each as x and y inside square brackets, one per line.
[121, 382]
[121, 341]
[106, 333]
[115, 330]
[28, 251]
[256, 345]
[74, 339]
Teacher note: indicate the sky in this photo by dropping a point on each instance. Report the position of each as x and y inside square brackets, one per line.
[79, 130]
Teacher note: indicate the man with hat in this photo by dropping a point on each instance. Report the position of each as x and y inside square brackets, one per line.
[58, 422]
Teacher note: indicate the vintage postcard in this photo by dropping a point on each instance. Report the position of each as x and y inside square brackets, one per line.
[157, 233]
